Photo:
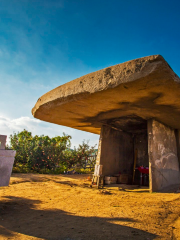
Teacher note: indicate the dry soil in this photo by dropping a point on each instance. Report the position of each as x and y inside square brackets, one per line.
[62, 207]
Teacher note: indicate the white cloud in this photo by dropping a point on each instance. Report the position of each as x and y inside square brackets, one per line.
[21, 86]
[27, 72]
[19, 123]
[8, 126]
[37, 127]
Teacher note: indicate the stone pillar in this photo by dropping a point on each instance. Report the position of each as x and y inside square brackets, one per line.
[6, 162]
[115, 151]
[163, 160]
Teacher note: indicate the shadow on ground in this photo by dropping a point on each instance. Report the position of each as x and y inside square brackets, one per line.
[22, 215]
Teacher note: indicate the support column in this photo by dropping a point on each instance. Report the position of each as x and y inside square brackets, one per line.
[163, 159]
[115, 151]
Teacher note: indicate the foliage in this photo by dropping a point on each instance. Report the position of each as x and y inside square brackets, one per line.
[43, 154]
[79, 157]
[39, 153]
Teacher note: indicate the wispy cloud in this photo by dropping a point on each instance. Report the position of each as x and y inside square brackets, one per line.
[18, 124]
[34, 58]
[17, 96]
[21, 86]
[9, 126]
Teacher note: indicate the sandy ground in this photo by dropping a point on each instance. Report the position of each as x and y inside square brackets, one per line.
[56, 207]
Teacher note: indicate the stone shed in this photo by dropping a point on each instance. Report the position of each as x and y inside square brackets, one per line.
[134, 106]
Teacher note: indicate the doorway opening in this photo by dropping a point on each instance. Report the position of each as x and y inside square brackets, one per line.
[135, 162]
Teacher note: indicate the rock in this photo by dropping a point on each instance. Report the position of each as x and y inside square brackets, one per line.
[145, 87]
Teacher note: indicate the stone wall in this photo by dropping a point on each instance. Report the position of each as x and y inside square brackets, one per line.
[141, 144]
[163, 159]
[115, 151]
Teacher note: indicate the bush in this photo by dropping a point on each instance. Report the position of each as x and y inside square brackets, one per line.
[79, 157]
[39, 153]
[43, 154]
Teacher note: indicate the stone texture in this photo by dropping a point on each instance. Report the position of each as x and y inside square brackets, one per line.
[163, 159]
[2, 141]
[141, 144]
[6, 162]
[117, 102]
[115, 152]
[145, 87]
[6, 165]
[177, 134]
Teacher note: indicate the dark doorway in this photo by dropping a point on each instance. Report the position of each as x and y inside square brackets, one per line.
[139, 164]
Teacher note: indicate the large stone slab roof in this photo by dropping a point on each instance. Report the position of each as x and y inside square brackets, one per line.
[144, 88]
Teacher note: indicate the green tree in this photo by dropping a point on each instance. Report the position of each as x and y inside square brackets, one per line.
[39, 152]
[44, 154]
[21, 143]
[79, 156]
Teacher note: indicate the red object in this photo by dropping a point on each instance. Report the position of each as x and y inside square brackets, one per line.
[143, 170]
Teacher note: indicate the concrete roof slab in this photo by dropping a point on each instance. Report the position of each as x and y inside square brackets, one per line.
[145, 87]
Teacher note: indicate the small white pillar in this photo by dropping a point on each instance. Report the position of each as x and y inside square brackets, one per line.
[6, 162]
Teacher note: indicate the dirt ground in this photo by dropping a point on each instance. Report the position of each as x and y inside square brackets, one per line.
[55, 207]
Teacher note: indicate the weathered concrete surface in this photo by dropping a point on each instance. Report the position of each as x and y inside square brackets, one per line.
[6, 162]
[145, 87]
[163, 159]
[6, 165]
[177, 134]
[2, 141]
[115, 151]
[141, 144]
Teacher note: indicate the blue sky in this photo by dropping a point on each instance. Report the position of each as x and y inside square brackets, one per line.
[46, 43]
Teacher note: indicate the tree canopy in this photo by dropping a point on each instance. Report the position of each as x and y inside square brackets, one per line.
[44, 154]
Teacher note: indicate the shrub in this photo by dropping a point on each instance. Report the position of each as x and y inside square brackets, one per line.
[43, 154]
